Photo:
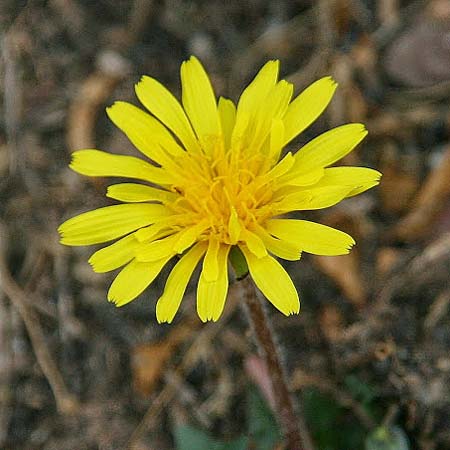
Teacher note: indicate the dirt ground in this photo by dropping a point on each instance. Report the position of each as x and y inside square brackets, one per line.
[368, 357]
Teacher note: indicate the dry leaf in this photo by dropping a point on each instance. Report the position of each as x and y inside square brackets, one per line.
[148, 361]
[331, 322]
[429, 203]
[386, 259]
[400, 179]
[345, 271]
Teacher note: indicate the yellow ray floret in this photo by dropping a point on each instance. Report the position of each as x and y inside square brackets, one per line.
[215, 180]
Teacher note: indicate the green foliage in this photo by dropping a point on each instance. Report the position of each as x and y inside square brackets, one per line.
[361, 391]
[330, 424]
[365, 394]
[262, 429]
[262, 426]
[190, 438]
[387, 438]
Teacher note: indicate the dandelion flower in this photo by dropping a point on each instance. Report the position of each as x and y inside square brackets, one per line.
[217, 180]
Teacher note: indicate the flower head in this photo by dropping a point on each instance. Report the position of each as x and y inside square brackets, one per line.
[216, 180]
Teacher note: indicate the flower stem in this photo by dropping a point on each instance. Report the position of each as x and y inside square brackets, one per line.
[290, 418]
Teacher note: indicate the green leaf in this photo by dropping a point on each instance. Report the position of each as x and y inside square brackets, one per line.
[320, 409]
[360, 390]
[387, 438]
[262, 426]
[190, 438]
[331, 425]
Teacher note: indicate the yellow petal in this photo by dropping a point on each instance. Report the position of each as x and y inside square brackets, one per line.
[227, 114]
[145, 132]
[133, 279]
[324, 197]
[96, 163]
[211, 264]
[189, 235]
[282, 249]
[115, 255]
[279, 98]
[299, 178]
[234, 226]
[157, 230]
[108, 223]
[176, 283]
[164, 106]
[307, 107]
[273, 281]
[329, 147]
[276, 139]
[273, 107]
[211, 295]
[281, 168]
[239, 133]
[254, 243]
[311, 237]
[312, 198]
[359, 178]
[157, 249]
[199, 102]
[255, 93]
[253, 96]
[133, 192]
[279, 247]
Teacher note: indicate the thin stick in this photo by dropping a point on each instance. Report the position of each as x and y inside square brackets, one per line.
[290, 418]
[65, 401]
[190, 358]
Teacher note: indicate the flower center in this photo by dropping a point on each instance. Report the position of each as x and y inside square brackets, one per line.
[225, 196]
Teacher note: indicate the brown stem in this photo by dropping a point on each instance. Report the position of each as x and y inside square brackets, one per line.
[290, 418]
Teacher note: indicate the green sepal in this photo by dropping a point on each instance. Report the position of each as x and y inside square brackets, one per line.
[238, 262]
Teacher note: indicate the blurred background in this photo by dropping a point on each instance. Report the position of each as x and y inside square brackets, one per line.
[368, 356]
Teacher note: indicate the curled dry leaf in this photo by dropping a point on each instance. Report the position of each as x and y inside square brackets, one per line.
[331, 322]
[386, 259]
[428, 204]
[83, 112]
[345, 270]
[438, 310]
[91, 97]
[148, 361]
[401, 181]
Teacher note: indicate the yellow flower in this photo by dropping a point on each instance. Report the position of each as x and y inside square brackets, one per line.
[216, 181]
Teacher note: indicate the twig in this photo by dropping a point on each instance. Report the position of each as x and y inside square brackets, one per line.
[12, 101]
[5, 370]
[190, 358]
[65, 402]
[69, 325]
[291, 421]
